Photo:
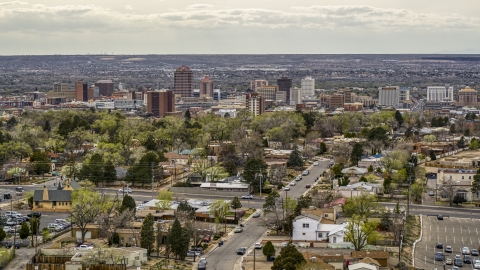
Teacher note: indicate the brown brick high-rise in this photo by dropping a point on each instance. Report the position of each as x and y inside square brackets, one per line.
[183, 82]
[105, 87]
[159, 103]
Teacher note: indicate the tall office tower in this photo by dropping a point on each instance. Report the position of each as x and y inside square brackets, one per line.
[105, 87]
[257, 83]
[440, 93]
[404, 93]
[467, 97]
[183, 82]
[388, 95]
[267, 92]
[81, 91]
[347, 93]
[255, 103]
[308, 87]
[160, 102]
[284, 85]
[296, 95]
[60, 87]
[336, 101]
[206, 87]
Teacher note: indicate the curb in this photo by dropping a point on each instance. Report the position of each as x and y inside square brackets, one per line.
[418, 240]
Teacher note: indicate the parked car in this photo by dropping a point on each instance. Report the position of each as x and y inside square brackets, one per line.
[84, 247]
[439, 256]
[476, 264]
[467, 259]
[198, 249]
[455, 268]
[448, 261]
[207, 238]
[238, 229]
[192, 253]
[474, 252]
[439, 245]
[448, 249]
[258, 245]
[203, 260]
[126, 190]
[440, 217]
[11, 213]
[306, 172]
[34, 214]
[458, 262]
[465, 251]
[287, 188]
[293, 184]
[247, 197]
[242, 251]
[19, 189]
[431, 193]
[308, 186]
[9, 245]
[202, 266]
[315, 163]
[256, 215]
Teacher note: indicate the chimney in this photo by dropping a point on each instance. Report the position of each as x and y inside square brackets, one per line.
[45, 193]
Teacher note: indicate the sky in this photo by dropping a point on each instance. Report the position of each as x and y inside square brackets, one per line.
[239, 26]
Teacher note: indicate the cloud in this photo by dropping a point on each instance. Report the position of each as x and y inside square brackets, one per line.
[91, 18]
[13, 3]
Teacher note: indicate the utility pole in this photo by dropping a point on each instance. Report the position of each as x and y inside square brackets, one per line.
[253, 258]
[260, 183]
[152, 179]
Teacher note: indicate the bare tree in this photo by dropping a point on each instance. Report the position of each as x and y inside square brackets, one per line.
[449, 190]
[277, 173]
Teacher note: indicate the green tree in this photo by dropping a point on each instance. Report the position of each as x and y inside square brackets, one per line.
[268, 250]
[416, 191]
[364, 205]
[147, 234]
[458, 199]
[254, 169]
[323, 148]
[452, 129]
[40, 162]
[46, 126]
[461, 142]
[235, 204]
[109, 172]
[128, 203]
[288, 259]
[165, 199]
[219, 209]
[474, 144]
[24, 231]
[357, 153]
[12, 122]
[2, 234]
[230, 167]
[476, 182]
[184, 243]
[399, 118]
[385, 220]
[370, 168]
[343, 181]
[141, 172]
[187, 115]
[93, 169]
[377, 134]
[175, 234]
[467, 132]
[270, 202]
[360, 232]
[432, 155]
[295, 159]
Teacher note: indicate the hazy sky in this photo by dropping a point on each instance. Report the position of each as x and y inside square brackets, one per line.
[238, 26]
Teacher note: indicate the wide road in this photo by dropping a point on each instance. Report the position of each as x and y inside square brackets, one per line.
[457, 212]
[224, 257]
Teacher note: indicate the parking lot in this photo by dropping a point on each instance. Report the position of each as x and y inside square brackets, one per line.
[454, 232]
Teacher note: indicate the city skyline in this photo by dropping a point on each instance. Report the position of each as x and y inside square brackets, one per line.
[235, 27]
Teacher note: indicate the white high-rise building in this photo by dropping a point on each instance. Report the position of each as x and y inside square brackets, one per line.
[308, 87]
[296, 95]
[440, 93]
[388, 95]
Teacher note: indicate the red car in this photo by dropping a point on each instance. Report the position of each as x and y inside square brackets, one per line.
[206, 238]
[308, 186]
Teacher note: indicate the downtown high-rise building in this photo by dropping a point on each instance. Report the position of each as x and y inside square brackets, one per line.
[206, 87]
[255, 104]
[440, 93]
[105, 87]
[308, 87]
[183, 81]
[160, 102]
[296, 95]
[388, 95]
[284, 85]
[257, 83]
[267, 92]
[81, 91]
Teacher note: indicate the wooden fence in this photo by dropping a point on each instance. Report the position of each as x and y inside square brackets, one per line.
[51, 259]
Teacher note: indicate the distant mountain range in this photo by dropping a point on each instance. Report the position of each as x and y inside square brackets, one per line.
[463, 51]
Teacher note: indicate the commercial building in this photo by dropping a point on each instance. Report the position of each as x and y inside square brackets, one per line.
[389, 95]
[257, 83]
[206, 87]
[60, 94]
[284, 85]
[281, 96]
[183, 81]
[308, 87]
[81, 91]
[336, 101]
[255, 103]
[467, 97]
[296, 95]
[105, 87]
[440, 93]
[404, 94]
[267, 92]
[160, 102]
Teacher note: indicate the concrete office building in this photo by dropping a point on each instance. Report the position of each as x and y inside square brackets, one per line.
[404, 94]
[105, 87]
[308, 87]
[255, 103]
[336, 101]
[281, 96]
[467, 97]
[440, 93]
[183, 81]
[284, 85]
[81, 91]
[267, 92]
[257, 83]
[60, 94]
[296, 95]
[160, 102]
[389, 95]
[60, 87]
[206, 87]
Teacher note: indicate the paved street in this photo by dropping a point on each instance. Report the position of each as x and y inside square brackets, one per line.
[224, 257]
[454, 232]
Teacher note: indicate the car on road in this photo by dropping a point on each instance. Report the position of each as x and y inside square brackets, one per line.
[203, 260]
[298, 178]
[34, 214]
[315, 163]
[247, 196]
[308, 186]
[192, 253]
[258, 245]
[474, 252]
[19, 189]
[458, 262]
[126, 190]
[286, 188]
[293, 184]
[439, 245]
[431, 193]
[439, 256]
[448, 261]
[256, 215]
[202, 266]
[242, 251]
[305, 173]
[467, 259]
[465, 251]
[440, 217]
[238, 229]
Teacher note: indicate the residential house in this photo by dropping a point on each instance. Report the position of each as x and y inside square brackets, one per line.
[59, 199]
[177, 159]
[337, 260]
[454, 175]
[380, 256]
[307, 227]
[354, 171]
[128, 237]
[362, 266]
[373, 160]
[234, 186]
[130, 256]
[325, 215]
[314, 258]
